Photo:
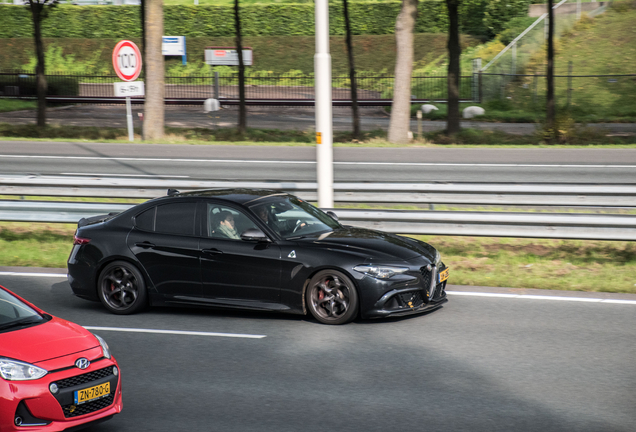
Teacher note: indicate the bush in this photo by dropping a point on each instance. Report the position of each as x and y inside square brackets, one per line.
[478, 17]
[58, 86]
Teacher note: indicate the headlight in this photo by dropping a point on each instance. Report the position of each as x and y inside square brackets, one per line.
[14, 370]
[438, 258]
[105, 349]
[380, 272]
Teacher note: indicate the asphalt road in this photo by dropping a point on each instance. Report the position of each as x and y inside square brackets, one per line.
[299, 163]
[477, 364]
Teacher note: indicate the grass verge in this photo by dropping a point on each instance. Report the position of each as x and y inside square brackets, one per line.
[16, 105]
[595, 266]
[377, 138]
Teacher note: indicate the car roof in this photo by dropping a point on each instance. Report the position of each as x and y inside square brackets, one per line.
[241, 196]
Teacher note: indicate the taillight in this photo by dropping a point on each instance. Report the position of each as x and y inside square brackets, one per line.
[80, 240]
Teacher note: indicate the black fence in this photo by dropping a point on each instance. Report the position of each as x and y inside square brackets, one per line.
[260, 89]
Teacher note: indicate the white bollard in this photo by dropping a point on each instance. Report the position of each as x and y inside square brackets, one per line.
[473, 111]
[211, 105]
[428, 108]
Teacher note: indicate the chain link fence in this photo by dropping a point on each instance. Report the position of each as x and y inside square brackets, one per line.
[284, 88]
[511, 62]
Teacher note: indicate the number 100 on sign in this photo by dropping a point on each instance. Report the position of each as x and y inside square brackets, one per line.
[127, 60]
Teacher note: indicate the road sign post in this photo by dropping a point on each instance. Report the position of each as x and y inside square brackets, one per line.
[127, 64]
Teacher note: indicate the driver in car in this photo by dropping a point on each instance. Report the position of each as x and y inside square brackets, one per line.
[282, 227]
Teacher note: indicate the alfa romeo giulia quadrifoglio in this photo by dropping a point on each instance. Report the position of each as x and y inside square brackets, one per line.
[251, 249]
[54, 375]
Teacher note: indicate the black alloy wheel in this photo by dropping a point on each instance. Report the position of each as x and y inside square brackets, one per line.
[121, 288]
[332, 297]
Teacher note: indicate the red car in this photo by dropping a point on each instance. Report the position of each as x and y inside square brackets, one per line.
[54, 374]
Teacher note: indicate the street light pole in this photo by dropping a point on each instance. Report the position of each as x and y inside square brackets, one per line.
[324, 127]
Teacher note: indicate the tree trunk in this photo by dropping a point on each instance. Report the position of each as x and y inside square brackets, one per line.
[352, 74]
[401, 111]
[242, 123]
[36, 13]
[551, 111]
[153, 125]
[454, 53]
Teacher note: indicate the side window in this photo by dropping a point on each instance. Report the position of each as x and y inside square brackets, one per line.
[146, 220]
[177, 218]
[226, 222]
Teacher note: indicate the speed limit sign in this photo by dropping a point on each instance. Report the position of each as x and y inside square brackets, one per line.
[127, 60]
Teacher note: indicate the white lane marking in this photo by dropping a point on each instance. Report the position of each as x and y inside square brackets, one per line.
[60, 275]
[176, 332]
[124, 175]
[540, 297]
[278, 162]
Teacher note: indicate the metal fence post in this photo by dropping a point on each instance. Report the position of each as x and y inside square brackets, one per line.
[476, 76]
[513, 64]
[216, 85]
[569, 82]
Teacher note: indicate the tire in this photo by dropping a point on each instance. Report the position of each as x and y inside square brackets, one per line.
[332, 298]
[121, 288]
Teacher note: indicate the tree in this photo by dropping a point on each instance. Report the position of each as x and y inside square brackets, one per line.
[242, 123]
[399, 124]
[352, 73]
[551, 112]
[39, 11]
[454, 53]
[154, 109]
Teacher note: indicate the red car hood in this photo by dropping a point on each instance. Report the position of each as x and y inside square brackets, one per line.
[50, 340]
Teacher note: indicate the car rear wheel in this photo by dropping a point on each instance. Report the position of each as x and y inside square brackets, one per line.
[121, 288]
[332, 297]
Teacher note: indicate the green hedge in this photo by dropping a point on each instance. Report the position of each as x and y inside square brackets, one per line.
[478, 17]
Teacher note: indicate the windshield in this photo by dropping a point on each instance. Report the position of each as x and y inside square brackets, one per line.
[290, 216]
[14, 313]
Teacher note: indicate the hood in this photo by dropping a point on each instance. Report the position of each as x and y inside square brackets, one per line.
[52, 339]
[376, 246]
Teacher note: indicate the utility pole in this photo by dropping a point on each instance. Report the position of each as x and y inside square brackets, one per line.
[324, 121]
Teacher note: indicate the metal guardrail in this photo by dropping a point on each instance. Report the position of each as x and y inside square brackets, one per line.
[563, 195]
[493, 224]
[465, 223]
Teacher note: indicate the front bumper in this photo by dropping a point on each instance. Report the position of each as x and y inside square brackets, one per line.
[413, 294]
[38, 409]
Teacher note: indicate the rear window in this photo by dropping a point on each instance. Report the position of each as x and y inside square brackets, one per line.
[146, 220]
[176, 218]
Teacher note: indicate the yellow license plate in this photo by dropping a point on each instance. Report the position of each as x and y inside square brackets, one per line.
[92, 393]
[443, 275]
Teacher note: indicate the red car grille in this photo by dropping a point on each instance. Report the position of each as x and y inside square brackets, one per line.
[84, 378]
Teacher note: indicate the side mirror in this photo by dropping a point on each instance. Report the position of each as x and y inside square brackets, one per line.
[332, 215]
[254, 234]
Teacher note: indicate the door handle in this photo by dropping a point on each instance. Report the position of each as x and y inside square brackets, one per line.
[212, 251]
[145, 245]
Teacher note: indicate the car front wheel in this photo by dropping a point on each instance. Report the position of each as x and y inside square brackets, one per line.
[332, 297]
[121, 288]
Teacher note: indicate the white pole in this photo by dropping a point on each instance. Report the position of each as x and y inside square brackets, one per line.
[129, 119]
[324, 121]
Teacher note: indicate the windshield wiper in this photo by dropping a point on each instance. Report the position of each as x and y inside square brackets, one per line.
[22, 322]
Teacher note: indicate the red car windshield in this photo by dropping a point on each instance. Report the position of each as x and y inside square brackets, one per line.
[14, 313]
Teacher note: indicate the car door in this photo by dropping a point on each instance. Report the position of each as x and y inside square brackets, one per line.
[234, 269]
[165, 240]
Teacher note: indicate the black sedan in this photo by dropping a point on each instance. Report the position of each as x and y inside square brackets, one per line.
[251, 249]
